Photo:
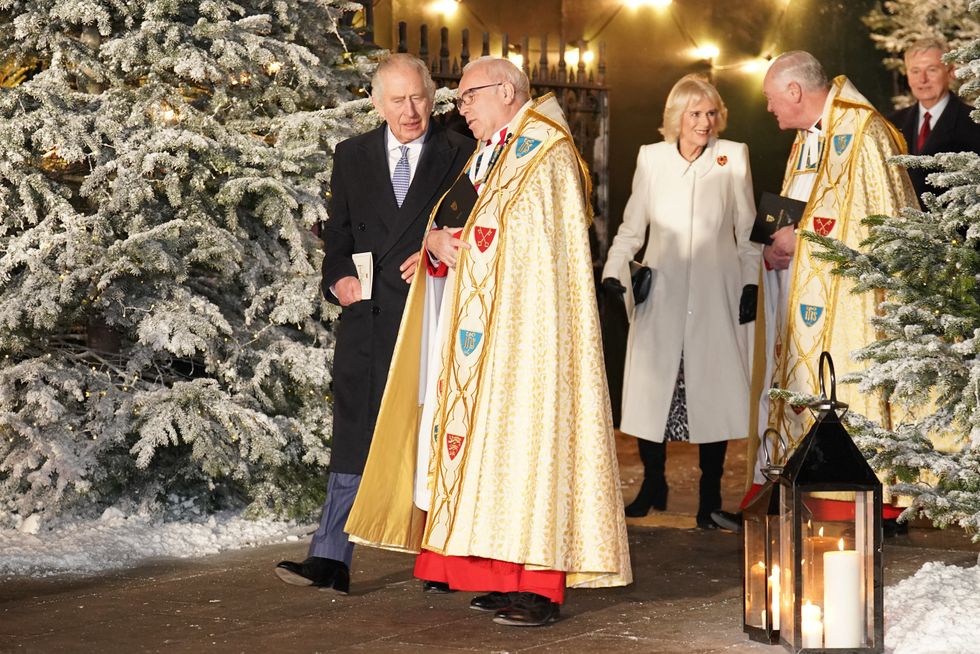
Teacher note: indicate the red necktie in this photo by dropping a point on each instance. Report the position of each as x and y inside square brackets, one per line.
[924, 132]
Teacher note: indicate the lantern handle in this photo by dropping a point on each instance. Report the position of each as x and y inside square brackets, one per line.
[771, 470]
[825, 356]
[825, 403]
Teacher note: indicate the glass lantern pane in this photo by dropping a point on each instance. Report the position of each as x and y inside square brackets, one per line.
[834, 566]
[784, 592]
[754, 530]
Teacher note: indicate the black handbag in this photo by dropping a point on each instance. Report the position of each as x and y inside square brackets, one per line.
[642, 278]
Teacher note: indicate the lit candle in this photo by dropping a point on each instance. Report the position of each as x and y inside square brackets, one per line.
[811, 626]
[843, 613]
[774, 587]
[757, 588]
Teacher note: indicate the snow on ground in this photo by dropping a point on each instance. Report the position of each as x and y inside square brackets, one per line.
[935, 611]
[117, 540]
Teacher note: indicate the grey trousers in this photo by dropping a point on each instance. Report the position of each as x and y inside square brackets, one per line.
[330, 541]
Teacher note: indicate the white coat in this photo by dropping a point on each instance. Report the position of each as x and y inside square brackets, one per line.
[699, 215]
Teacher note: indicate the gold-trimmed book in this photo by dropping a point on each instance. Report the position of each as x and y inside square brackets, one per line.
[775, 212]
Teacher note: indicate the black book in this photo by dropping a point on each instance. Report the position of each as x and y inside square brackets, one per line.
[457, 205]
[775, 212]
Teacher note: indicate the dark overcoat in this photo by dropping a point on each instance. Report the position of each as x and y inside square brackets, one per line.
[955, 131]
[364, 217]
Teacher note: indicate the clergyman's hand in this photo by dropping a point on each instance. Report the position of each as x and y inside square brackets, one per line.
[348, 290]
[444, 246]
[780, 253]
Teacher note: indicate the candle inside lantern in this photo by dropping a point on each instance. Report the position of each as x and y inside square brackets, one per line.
[774, 589]
[811, 626]
[843, 611]
[757, 586]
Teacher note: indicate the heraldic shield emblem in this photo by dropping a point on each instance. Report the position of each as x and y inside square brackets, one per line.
[454, 443]
[823, 226]
[841, 141]
[484, 237]
[525, 144]
[810, 314]
[469, 340]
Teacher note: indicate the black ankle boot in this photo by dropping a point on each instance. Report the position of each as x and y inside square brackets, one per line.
[652, 495]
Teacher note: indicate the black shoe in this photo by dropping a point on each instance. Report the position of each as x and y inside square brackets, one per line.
[492, 601]
[729, 521]
[316, 571]
[436, 587]
[648, 497]
[705, 523]
[528, 610]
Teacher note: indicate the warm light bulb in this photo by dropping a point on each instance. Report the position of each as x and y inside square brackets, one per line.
[445, 7]
[709, 51]
[633, 4]
[756, 65]
[516, 58]
[273, 67]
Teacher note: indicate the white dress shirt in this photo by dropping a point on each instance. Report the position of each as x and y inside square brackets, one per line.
[934, 113]
[395, 153]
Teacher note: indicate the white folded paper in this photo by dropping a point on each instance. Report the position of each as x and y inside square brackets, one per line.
[364, 262]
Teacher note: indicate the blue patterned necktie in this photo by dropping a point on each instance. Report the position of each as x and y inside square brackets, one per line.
[401, 179]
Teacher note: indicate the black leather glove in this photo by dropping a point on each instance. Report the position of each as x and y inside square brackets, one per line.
[746, 305]
[612, 287]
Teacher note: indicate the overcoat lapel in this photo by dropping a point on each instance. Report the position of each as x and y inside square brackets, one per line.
[374, 175]
[434, 164]
[942, 131]
[908, 129]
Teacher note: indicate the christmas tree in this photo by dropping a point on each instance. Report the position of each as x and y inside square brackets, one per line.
[927, 363]
[162, 164]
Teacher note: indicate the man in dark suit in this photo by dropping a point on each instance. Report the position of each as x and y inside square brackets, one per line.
[383, 187]
[939, 121]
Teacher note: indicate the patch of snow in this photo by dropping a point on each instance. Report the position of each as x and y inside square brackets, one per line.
[935, 611]
[118, 540]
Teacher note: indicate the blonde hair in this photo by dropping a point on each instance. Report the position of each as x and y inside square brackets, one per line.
[689, 90]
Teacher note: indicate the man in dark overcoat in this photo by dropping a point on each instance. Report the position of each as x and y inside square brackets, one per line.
[383, 187]
[940, 121]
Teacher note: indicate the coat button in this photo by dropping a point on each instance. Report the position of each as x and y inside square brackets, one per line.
[376, 310]
[361, 227]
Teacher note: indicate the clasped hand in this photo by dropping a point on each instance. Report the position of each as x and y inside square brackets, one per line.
[444, 246]
[780, 253]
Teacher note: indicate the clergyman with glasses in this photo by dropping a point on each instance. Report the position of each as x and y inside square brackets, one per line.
[496, 416]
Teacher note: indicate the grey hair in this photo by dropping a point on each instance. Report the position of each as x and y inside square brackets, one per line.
[503, 70]
[928, 43]
[800, 67]
[401, 60]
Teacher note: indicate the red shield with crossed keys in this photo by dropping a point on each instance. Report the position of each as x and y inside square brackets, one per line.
[484, 237]
[823, 226]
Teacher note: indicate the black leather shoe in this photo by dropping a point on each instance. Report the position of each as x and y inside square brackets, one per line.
[528, 610]
[436, 587]
[492, 601]
[316, 571]
[728, 521]
[705, 523]
[648, 497]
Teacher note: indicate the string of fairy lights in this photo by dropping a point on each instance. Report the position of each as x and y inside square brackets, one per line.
[698, 51]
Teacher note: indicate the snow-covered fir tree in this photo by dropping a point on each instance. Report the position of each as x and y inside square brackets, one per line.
[162, 334]
[897, 24]
[927, 362]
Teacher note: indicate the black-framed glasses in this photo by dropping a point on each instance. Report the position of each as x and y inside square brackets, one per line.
[466, 97]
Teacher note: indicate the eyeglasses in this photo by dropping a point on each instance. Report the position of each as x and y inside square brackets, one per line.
[466, 97]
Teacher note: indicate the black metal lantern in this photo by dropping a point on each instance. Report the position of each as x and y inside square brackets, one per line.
[830, 540]
[760, 565]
